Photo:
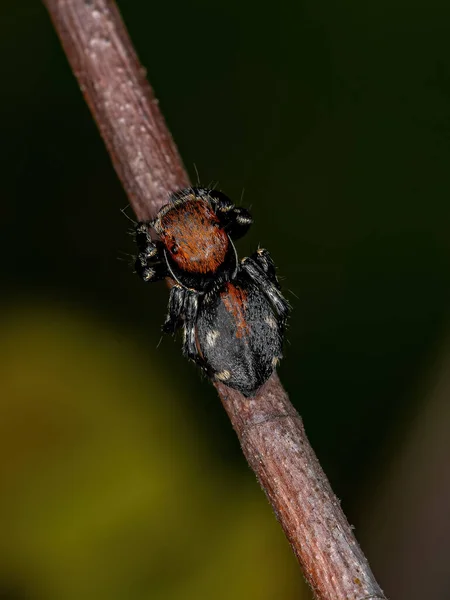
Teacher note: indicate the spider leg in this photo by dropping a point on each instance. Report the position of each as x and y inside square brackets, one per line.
[263, 259]
[234, 219]
[152, 272]
[190, 310]
[267, 286]
[142, 235]
[175, 310]
[150, 264]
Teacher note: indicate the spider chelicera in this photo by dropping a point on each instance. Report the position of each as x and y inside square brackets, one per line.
[232, 312]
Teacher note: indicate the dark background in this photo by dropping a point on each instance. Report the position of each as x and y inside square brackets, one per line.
[121, 475]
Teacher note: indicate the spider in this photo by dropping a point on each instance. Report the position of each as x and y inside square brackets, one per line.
[232, 312]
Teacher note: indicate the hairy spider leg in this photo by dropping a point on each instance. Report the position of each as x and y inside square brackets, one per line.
[142, 235]
[264, 260]
[251, 265]
[175, 310]
[190, 310]
[150, 264]
[235, 220]
[153, 273]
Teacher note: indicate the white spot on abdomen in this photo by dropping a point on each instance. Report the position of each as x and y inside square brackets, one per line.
[270, 322]
[223, 375]
[211, 338]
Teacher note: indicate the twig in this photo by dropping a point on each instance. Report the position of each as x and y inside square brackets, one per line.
[269, 429]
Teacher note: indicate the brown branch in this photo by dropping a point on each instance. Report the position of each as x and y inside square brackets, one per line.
[116, 89]
[269, 429]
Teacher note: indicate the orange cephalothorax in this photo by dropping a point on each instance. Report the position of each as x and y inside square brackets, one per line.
[193, 237]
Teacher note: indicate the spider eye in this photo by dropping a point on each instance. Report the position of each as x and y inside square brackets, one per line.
[174, 249]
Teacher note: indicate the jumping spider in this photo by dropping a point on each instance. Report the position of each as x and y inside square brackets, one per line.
[232, 313]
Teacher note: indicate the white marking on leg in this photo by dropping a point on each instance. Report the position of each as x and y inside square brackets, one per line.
[148, 274]
[242, 219]
[151, 251]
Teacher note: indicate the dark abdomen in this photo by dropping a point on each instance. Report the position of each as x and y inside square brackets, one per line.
[239, 336]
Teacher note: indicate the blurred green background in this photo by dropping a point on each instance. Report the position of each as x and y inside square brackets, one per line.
[120, 476]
